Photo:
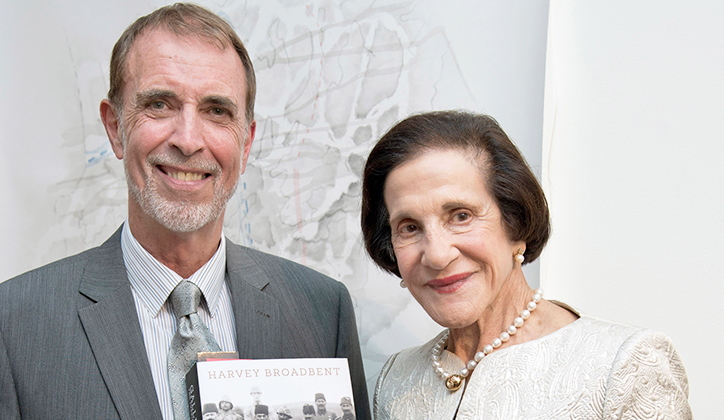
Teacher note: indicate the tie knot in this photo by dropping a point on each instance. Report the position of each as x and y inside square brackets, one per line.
[185, 298]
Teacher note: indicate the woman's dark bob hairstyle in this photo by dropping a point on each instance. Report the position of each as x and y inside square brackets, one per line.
[519, 197]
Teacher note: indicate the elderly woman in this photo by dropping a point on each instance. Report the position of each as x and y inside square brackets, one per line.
[450, 206]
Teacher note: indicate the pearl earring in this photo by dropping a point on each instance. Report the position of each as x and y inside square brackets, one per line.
[519, 257]
[402, 284]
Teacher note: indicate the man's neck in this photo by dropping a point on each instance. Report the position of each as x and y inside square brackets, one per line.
[182, 252]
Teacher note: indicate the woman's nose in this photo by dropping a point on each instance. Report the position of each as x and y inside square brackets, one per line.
[439, 250]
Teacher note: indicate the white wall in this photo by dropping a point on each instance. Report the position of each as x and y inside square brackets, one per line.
[633, 153]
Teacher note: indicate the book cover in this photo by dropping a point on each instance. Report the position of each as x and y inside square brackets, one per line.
[275, 389]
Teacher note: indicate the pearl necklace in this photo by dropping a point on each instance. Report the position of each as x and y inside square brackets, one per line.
[453, 381]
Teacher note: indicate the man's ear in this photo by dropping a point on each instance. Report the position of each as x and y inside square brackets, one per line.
[251, 132]
[111, 123]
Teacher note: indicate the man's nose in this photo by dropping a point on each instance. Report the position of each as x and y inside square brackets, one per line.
[439, 250]
[188, 136]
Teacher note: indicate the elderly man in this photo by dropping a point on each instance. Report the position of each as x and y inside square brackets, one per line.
[110, 332]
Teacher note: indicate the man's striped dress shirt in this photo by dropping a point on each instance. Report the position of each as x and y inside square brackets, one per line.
[152, 283]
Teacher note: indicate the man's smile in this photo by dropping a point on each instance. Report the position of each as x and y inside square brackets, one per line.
[187, 176]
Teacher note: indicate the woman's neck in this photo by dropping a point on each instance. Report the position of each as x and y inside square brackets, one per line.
[546, 319]
[500, 313]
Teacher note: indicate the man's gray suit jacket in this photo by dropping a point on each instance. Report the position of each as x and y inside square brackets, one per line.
[71, 346]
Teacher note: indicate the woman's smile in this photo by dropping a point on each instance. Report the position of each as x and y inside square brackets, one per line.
[449, 284]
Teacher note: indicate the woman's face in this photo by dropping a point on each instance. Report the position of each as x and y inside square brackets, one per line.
[451, 246]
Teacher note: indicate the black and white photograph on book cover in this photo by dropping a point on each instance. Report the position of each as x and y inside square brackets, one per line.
[271, 389]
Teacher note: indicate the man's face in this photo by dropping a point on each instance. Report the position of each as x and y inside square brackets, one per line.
[262, 417]
[321, 403]
[308, 416]
[225, 405]
[346, 407]
[209, 416]
[256, 395]
[182, 135]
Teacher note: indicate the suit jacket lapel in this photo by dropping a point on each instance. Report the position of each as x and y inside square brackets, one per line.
[111, 324]
[256, 314]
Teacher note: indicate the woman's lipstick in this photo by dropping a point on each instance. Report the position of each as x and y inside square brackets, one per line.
[449, 284]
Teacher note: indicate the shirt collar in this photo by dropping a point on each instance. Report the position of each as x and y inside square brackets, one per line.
[153, 282]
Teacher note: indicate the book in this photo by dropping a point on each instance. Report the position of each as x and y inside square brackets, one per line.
[283, 388]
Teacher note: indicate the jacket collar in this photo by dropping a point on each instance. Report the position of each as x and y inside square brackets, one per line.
[111, 325]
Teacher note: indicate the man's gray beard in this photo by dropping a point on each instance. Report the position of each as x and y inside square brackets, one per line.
[176, 215]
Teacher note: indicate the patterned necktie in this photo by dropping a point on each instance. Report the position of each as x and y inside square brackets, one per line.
[191, 337]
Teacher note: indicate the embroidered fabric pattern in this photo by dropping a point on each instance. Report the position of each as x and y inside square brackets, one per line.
[589, 369]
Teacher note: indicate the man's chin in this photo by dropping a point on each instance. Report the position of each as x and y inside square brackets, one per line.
[179, 216]
[184, 218]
